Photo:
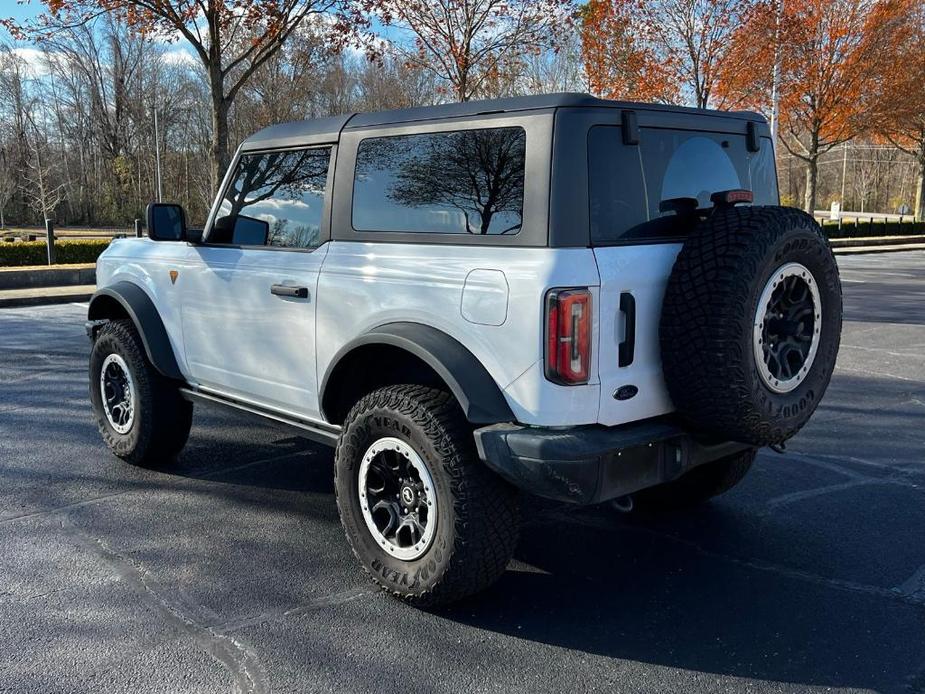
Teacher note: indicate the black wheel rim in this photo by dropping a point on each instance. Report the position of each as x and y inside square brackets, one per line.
[787, 327]
[117, 390]
[397, 498]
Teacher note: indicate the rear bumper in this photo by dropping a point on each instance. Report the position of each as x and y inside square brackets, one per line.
[591, 464]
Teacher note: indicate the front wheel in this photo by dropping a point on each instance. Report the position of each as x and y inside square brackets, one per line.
[427, 520]
[140, 413]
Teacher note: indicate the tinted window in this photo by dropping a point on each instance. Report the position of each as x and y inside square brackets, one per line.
[763, 174]
[464, 182]
[661, 188]
[275, 199]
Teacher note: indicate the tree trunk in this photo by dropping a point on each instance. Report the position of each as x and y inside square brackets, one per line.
[218, 153]
[812, 175]
[463, 86]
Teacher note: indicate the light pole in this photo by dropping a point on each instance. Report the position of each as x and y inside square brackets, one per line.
[157, 155]
[775, 81]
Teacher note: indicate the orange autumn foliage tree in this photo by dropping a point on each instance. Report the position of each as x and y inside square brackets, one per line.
[231, 38]
[832, 55]
[898, 106]
[661, 50]
[617, 63]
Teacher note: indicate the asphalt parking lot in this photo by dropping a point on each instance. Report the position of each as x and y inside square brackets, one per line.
[229, 571]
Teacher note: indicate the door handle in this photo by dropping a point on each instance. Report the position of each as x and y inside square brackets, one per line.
[286, 290]
[627, 348]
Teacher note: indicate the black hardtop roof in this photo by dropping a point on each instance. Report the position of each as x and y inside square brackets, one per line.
[320, 130]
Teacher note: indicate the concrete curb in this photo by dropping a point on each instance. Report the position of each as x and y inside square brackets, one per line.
[47, 276]
[895, 248]
[40, 285]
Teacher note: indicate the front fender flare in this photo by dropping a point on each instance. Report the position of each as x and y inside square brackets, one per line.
[473, 387]
[143, 313]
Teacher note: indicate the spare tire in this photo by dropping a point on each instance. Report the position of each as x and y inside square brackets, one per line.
[751, 324]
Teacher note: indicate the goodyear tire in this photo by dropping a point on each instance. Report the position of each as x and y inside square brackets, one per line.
[139, 412]
[751, 324]
[427, 520]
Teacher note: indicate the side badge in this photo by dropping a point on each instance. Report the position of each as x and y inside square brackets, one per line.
[625, 392]
[173, 276]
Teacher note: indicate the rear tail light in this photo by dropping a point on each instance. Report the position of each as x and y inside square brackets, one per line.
[568, 336]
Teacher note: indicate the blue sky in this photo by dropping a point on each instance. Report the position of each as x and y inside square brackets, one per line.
[20, 12]
[12, 8]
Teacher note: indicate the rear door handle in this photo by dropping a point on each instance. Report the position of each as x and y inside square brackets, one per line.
[627, 348]
[286, 290]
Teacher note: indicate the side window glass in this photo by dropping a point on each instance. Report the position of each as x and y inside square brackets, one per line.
[462, 182]
[276, 199]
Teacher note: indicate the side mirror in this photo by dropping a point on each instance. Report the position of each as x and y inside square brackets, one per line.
[250, 231]
[240, 230]
[166, 222]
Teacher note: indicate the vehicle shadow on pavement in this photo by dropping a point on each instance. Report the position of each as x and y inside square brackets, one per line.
[730, 589]
[662, 594]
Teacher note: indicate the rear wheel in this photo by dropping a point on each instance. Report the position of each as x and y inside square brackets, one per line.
[140, 413]
[427, 520]
[697, 486]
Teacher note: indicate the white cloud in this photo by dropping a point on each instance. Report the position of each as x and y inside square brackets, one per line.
[180, 56]
[34, 63]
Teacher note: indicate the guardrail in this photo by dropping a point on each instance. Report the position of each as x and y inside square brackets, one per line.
[848, 215]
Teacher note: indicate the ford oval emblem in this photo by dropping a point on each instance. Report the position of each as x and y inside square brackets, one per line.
[625, 392]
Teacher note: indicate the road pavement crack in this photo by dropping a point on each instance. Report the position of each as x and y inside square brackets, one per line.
[248, 673]
[65, 507]
[332, 600]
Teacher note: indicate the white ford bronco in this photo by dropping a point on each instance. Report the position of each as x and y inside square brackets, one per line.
[582, 299]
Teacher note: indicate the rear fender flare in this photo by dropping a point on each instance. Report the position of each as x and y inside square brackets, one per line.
[467, 379]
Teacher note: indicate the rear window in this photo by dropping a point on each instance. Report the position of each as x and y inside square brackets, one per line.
[653, 191]
[460, 182]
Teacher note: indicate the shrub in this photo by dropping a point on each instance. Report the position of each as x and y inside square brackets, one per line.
[67, 252]
[861, 228]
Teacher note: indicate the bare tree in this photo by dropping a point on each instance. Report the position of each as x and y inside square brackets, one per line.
[232, 39]
[39, 188]
[465, 43]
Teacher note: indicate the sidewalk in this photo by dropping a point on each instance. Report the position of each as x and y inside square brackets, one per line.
[36, 296]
